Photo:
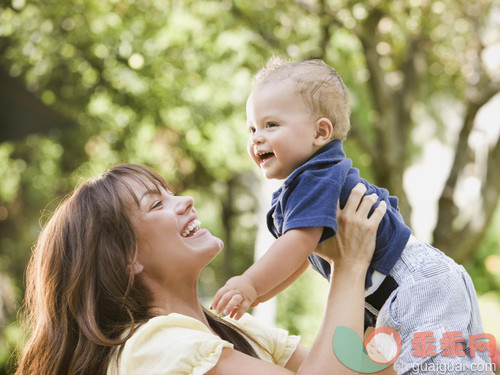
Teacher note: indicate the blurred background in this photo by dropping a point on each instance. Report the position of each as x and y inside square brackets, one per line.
[86, 84]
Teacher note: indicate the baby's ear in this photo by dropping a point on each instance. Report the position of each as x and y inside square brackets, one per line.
[323, 131]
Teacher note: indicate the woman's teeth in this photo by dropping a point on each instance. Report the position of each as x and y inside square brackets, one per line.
[192, 228]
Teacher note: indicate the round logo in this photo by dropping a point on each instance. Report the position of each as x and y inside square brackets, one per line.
[383, 345]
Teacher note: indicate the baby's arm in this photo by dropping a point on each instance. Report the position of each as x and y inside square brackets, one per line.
[285, 284]
[270, 273]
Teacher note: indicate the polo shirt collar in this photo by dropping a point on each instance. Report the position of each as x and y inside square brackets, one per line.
[332, 152]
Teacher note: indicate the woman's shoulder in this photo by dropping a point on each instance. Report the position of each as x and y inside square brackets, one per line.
[174, 320]
[273, 344]
[175, 331]
[169, 344]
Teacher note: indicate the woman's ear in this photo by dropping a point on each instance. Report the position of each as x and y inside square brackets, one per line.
[136, 268]
[324, 131]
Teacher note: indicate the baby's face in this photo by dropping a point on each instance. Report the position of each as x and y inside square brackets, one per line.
[281, 129]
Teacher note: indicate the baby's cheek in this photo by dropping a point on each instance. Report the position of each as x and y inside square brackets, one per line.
[250, 149]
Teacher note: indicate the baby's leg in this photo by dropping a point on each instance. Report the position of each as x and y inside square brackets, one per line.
[435, 311]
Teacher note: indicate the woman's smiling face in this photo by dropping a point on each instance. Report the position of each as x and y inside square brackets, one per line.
[170, 239]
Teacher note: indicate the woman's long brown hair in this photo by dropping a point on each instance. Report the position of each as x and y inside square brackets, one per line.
[80, 299]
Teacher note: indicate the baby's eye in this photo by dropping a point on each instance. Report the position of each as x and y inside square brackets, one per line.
[251, 129]
[271, 124]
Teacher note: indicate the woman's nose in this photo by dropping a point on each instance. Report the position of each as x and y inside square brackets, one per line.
[184, 204]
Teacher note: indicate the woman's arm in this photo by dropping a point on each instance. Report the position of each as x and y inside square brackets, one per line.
[351, 252]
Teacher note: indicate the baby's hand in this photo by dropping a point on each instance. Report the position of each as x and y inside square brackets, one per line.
[235, 297]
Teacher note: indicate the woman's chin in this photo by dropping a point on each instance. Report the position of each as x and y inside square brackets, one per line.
[218, 245]
[215, 244]
[221, 243]
[217, 240]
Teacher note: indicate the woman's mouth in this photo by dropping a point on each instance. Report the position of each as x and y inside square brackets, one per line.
[192, 228]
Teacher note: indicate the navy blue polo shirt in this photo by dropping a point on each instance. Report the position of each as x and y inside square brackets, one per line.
[309, 196]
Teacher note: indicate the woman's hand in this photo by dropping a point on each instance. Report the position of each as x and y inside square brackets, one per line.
[356, 232]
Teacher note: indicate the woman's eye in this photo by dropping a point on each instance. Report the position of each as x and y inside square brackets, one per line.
[156, 205]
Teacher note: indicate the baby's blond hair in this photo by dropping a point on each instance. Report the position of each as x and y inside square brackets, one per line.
[319, 85]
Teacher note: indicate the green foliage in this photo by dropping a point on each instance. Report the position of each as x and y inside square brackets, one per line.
[302, 316]
[484, 268]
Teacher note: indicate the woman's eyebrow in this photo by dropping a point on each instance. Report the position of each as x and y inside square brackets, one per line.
[149, 192]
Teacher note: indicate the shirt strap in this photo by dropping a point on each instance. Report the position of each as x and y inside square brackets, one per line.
[375, 301]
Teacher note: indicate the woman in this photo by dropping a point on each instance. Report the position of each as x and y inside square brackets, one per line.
[112, 288]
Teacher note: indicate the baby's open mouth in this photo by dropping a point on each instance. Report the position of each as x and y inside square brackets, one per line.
[266, 155]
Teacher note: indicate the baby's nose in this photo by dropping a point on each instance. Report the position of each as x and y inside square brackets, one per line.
[257, 137]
